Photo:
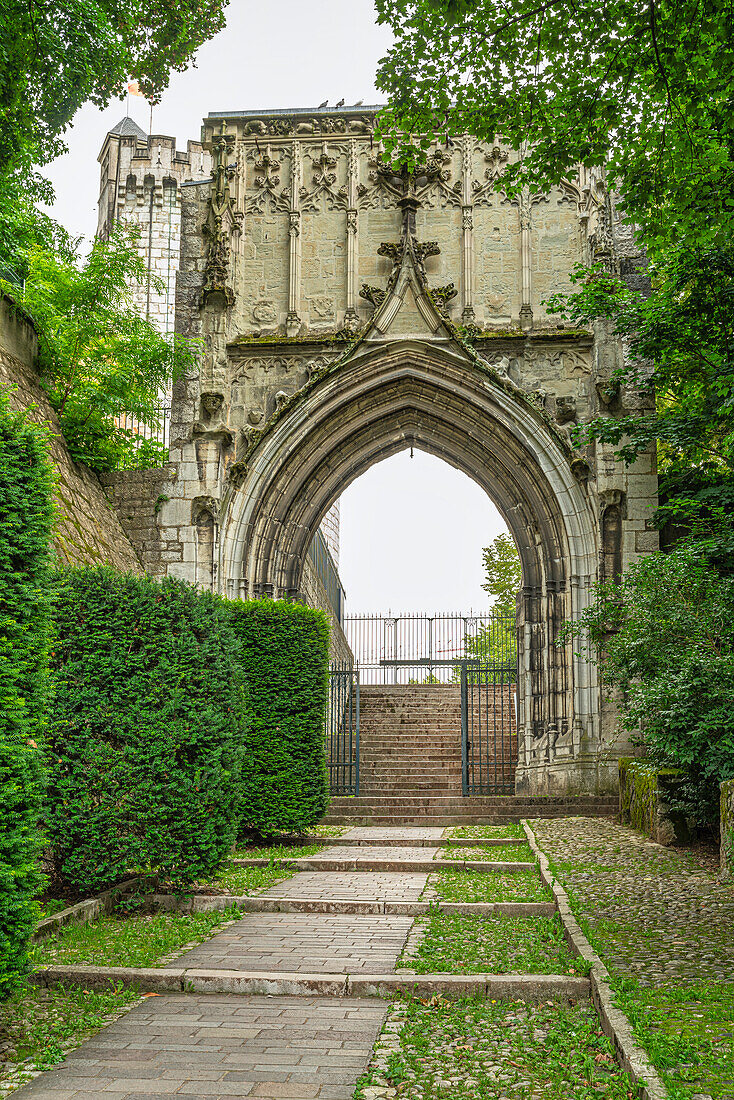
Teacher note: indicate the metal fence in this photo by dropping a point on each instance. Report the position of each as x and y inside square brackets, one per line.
[488, 727]
[147, 444]
[403, 649]
[342, 729]
[320, 555]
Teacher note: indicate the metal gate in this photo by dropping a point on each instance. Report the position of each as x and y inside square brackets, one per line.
[488, 727]
[342, 729]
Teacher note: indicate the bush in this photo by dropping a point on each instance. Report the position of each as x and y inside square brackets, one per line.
[26, 514]
[664, 635]
[285, 654]
[147, 730]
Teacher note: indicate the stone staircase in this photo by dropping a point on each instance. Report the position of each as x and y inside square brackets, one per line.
[410, 766]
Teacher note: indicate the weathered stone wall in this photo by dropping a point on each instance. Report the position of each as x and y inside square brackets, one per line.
[346, 313]
[727, 829]
[87, 530]
[644, 796]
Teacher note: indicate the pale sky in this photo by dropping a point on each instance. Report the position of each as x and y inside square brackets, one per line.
[412, 529]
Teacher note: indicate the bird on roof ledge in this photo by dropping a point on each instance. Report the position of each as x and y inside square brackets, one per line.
[340, 103]
[324, 104]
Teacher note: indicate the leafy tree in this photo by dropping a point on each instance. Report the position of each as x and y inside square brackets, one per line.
[57, 57]
[664, 638]
[644, 88]
[495, 642]
[504, 573]
[99, 357]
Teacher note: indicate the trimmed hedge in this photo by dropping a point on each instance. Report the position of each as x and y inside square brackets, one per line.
[26, 518]
[285, 654]
[147, 730]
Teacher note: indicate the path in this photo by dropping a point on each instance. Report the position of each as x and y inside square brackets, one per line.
[304, 1047]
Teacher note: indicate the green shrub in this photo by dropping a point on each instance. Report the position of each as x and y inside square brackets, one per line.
[664, 636]
[147, 729]
[26, 515]
[285, 651]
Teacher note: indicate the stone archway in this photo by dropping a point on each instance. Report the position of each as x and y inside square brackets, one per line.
[412, 381]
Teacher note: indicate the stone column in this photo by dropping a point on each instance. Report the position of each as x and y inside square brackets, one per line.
[293, 320]
[467, 232]
[351, 318]
[526, 307]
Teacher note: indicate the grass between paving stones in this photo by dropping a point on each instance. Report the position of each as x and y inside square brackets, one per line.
[683, 1022]
[243, 881]
[502, 853]
[688, 1033]
[278, 851]
[40, 1026]
[482, 1050]
[453, 944]
[487, 886]
[133, 940]
[479, 832]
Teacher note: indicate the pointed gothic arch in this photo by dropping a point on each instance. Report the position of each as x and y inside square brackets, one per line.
[411, 380]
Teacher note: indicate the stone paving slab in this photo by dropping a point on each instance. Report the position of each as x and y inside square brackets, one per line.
[303, 942]
[222, 1046]
[364, 855]
[385, 832]
[351, 885]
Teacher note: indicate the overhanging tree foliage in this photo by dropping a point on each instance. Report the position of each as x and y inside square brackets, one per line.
[644, 88]
[99, 357]
[25, 532]
[57, 57]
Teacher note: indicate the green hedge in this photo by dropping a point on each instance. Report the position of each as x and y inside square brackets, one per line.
[285, 654]
[147, 729]
[26, 517]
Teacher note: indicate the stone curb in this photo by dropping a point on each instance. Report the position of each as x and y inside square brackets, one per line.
[630, 1054]
[526, 987]
[83, 911]
[199, 903]
[421, 866]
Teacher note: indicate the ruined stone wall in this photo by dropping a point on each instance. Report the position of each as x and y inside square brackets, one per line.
[346, 311]
[87, 530]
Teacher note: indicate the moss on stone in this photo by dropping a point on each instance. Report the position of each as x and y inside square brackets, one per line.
[643, 800]
[727, 829]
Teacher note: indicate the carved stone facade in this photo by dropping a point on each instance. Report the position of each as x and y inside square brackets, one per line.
[356, 311]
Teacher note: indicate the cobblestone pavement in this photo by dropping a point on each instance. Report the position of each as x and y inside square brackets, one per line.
[309, 943]
[221, 1046]
[351, 885]
[659, 914]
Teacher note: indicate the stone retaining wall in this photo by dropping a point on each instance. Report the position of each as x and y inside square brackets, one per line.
[644, 795]
[727, 829]
[87, 530]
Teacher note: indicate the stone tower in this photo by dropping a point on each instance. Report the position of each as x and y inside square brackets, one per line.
[140, 184]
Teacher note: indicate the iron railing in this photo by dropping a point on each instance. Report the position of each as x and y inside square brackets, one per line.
[488, 727]
[320, 556]
[342, 729]
[147, 444]
[402, 649]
